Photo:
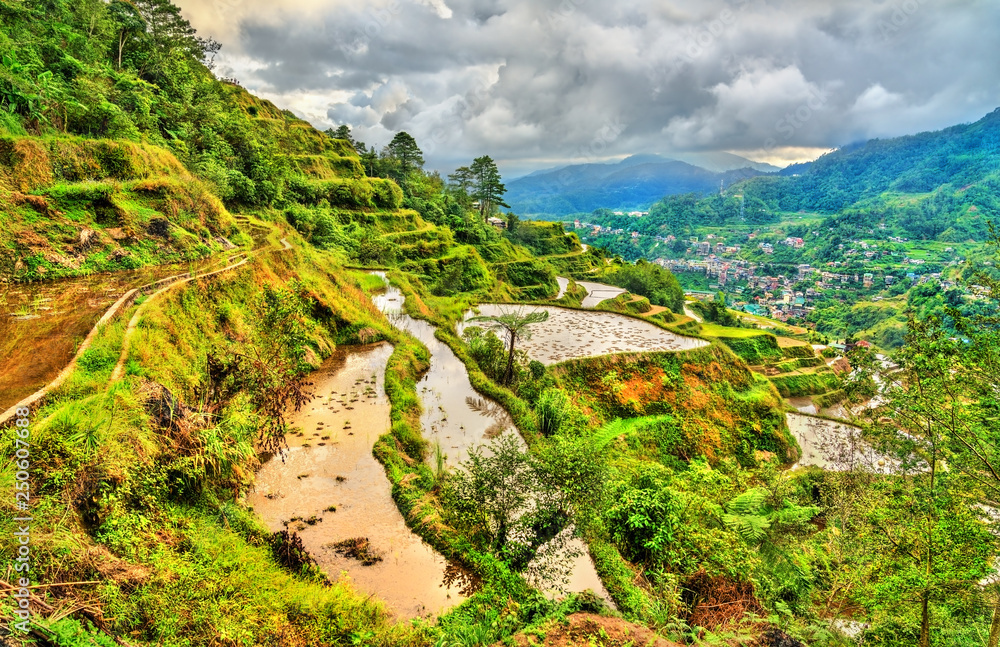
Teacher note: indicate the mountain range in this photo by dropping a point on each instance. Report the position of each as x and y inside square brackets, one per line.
[634, 183]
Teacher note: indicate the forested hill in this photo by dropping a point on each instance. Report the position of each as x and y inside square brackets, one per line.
[959, 156]
[138, 72]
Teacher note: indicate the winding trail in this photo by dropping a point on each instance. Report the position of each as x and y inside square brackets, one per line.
[115, 310]
[133, 324]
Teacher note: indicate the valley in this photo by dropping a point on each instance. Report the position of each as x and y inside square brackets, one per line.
[269, 385]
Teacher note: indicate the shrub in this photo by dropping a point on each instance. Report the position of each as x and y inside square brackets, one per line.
[551, 411]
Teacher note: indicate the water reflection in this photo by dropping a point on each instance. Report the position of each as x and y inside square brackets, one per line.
[460, 418]
[335, 495]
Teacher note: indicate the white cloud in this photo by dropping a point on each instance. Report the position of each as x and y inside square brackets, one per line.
[540, 79]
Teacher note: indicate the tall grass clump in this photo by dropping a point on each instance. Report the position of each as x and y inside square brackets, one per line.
[551, 411]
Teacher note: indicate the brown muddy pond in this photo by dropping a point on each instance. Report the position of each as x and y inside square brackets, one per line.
[573, 334]
[459, 418]
[331, 466]
[42, 323]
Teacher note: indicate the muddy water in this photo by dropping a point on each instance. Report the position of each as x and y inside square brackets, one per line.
[835, 446]
[42, 323]
[597, 292]
[455, 415]
[803, 404]
[331, 464]
[572, 334]
[459, 418]
[563, 286]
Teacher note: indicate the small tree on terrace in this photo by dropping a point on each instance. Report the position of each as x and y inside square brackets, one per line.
[507, 501]
[514, 325]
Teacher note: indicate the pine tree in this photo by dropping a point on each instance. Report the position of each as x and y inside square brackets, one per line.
[487, 188]
[405, 155]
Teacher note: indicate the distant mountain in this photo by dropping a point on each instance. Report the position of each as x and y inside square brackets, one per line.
[721, 162]
[634, 183]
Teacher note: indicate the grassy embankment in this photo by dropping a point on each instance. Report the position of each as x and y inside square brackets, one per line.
[672, 409]
[148, 512]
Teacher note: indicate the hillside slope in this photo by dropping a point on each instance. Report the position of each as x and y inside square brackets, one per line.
[960, 156]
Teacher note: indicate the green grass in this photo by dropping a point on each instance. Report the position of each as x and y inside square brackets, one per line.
[714, 330]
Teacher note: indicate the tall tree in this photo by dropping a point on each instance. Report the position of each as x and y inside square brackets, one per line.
[487, 188]
[128, 22]
[928, 525]
[461, 182]
[167, 27]
[405, 155]
[343, 131]
[514, 323]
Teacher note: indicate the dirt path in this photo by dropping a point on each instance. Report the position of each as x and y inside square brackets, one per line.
[115, 310]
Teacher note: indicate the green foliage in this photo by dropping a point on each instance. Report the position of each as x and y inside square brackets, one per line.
[804, 352]
[716, 312]
[625, 304]
[67, 632]
[542, 238]
[755, 349]
[651, 281]
[750, 516]
[551, 410]
[791, 386]
[534, 274]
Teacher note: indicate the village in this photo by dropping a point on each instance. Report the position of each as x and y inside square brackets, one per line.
[758, 283]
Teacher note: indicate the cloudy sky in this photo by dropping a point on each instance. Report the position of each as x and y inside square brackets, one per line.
[540, 83]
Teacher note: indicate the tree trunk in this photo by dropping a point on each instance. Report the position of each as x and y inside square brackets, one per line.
[510, 360]
[994, 640]
[925, 619]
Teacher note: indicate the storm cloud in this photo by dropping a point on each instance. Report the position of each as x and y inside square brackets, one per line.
[541, 83]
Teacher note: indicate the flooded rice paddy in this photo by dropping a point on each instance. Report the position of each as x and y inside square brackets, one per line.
[597, 292]
[331, 466]
[42, 323]
[573, 334]
[456, 416]
[330, 489]
[836, 446]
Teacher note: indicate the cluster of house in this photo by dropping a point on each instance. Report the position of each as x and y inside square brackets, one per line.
[717, 261]
[793, 242]
[779, 299]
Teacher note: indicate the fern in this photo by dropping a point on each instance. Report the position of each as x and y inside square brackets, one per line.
[748, 503]
[750, 527]
[609, 432]
[748, 515]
